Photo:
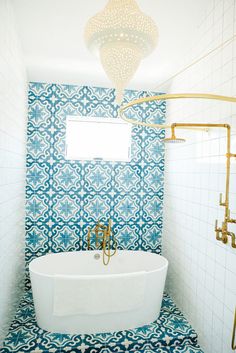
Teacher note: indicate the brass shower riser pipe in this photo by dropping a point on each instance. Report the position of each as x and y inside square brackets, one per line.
[224, 229]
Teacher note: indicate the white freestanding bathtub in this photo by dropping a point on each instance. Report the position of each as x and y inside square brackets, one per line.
[75, 293]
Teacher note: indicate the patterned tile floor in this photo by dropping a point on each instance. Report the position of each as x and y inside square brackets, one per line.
[171, 333]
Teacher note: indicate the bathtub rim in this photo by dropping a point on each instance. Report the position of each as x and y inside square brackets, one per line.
[159, 269]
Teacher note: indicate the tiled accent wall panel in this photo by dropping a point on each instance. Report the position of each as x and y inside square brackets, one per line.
[65, 197]
[202, 272]
[13, 114]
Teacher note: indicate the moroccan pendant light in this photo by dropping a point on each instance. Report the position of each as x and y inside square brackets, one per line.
[122, 36]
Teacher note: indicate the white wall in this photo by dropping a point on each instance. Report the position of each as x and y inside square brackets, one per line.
[13, 107]
[202, 272]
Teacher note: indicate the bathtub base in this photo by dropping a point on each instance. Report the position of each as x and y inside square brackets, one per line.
[79, 325]
[151, 337]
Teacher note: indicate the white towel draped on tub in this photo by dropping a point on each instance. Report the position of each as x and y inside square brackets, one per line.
[75, 295]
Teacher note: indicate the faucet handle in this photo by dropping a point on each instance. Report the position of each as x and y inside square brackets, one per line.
[221, 200]
[218, 231]
[229, 219]
[216, 226]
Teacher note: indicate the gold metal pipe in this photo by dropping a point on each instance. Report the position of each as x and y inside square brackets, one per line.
[105, 255]
[233, 239]
[228, 155]
[103, 236]
[169, 97]
[111, 235]
[224, 229]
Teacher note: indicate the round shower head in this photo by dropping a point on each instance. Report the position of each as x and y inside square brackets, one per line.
[173, 139]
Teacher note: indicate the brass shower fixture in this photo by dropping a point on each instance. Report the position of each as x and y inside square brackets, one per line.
[222, 233]
[173, 138]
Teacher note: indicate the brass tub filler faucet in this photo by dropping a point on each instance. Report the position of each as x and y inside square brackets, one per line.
[103, 238]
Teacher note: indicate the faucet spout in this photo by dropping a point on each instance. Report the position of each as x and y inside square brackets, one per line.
[103, 238]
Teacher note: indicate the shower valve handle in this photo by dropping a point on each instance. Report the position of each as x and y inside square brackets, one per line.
[230, 220]
[221, 200]
[216, 226]
[222, 231]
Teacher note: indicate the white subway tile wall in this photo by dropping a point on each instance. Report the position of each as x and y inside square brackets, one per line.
[13, 114]
[202, 271]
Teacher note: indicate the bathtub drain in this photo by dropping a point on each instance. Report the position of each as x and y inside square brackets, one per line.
[97, 256]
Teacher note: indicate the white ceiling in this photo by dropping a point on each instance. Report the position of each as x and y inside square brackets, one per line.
[51, 32]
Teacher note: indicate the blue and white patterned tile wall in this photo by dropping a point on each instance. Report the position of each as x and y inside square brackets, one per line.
[65, 197]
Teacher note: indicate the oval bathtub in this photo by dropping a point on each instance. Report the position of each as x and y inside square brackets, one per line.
[75, 293]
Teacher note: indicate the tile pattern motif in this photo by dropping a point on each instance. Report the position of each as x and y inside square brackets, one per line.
[170, 333]
[65, 197]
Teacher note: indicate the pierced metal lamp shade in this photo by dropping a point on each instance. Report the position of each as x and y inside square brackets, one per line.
[122, 36]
